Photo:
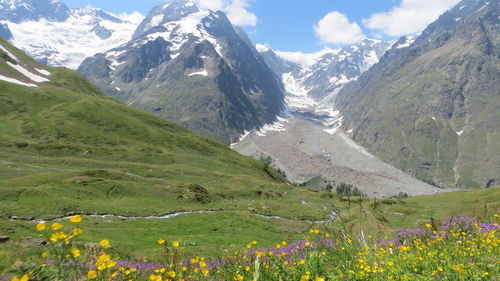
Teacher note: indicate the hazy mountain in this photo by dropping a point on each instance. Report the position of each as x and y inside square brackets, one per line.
[193, 67]
[432, 107]
[55, 35]
[329, 71]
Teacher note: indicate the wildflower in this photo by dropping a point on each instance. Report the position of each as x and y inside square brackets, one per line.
[104, 243]
[249, 246]
[56, 226]
[204, 272]
[77, 231]
[41, 226]
[76, 219]
[92, 274]
[305, 277]
[283, 243]
[319, 279]
[175, 244]
[161, 241]
[254, 242]
[75, 252]
[171, 274]
[153, 277]
[44, 254]
[57, 236]
[238, 277]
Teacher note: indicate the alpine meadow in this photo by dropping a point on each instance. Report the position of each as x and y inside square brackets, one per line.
[190, 143]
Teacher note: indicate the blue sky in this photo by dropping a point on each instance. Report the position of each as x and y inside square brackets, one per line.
[307, 26]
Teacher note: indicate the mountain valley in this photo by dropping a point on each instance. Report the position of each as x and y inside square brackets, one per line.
[172, 147]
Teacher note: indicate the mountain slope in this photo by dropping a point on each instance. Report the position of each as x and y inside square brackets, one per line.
[432, 108]
[65, 142]
[192, 67]
[74, 33]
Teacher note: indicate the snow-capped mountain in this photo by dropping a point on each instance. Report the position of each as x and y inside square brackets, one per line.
[312, 85]
[193, 67]
[74, 33]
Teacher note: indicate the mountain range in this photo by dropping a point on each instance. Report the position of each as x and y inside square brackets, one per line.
[431, 107]
[193, 67]
[74, 33]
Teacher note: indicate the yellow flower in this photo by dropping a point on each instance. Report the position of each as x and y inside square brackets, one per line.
[104, 243]
[254, 242]
[203, 264]
[56, 226]
[41, 226]
[249, 246]
[204, 272]
[319, 279]
[76, 219]
[305, 277]
[161, 241]
[153, 277]
[171, 274]
[175, 244]
[92, 274]
[77, 231]
[75, 252]
[57, 236]
[111, 264]
[44, 254]
[283, 243]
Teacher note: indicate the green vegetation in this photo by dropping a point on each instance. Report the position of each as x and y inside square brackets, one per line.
[455, 248]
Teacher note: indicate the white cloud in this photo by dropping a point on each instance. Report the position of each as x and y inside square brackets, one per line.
[304, 59]
[211, 4]
[335, 28]
[409, 17]
[237, 10]
[134, 17]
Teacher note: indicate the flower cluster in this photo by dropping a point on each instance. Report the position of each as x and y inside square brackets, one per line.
[457, 248]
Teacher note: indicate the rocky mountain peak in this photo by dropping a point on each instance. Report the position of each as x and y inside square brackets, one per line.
[171, 11]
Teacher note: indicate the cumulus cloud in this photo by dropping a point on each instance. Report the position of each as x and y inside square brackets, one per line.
[336, 28]
[410, 16]
[304, 59]
[237, 10]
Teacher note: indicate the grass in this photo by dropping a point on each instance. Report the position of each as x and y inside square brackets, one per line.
[455, 248]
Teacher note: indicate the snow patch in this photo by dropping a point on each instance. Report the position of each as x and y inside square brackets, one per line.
[297, 95]
[25, 72]
[202, 73]
[155, 21]
[242, 137]
[11, 56]
[15, 81]
[460, 133]
[261, 48]
[278, 126]
[43, 72]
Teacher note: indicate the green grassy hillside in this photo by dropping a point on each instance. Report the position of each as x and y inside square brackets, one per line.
[67, 148]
